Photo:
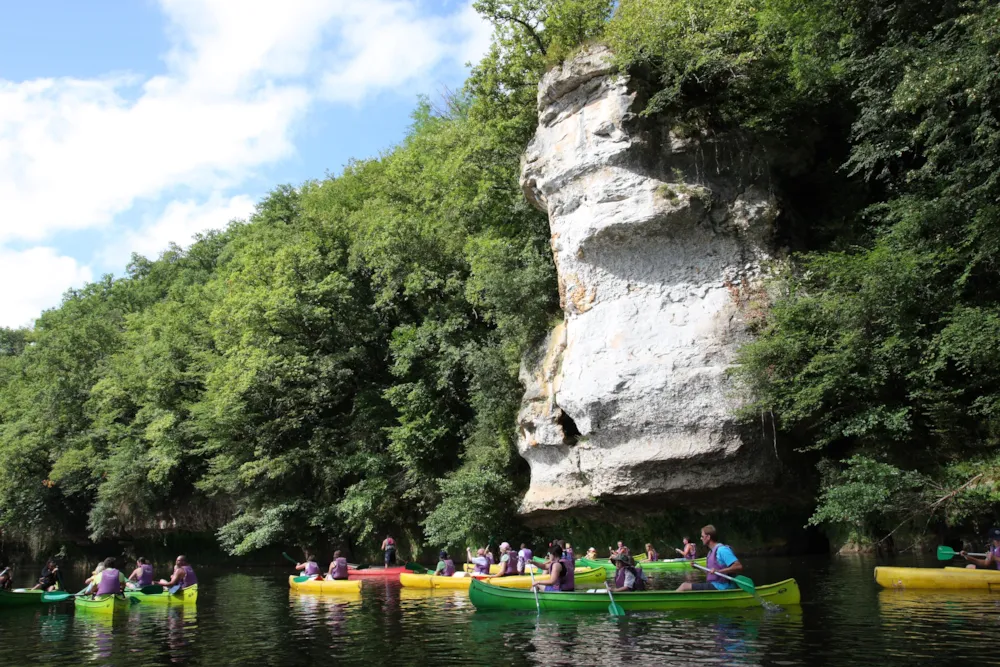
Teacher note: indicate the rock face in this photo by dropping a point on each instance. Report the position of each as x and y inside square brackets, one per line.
[659, 242]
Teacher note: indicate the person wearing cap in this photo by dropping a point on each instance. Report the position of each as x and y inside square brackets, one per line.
[992, 555]
[445, 566]
[508, 561]
[627, 579]
[481, 563]
[721, 560]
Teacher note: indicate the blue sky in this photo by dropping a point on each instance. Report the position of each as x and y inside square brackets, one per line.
[128, 125]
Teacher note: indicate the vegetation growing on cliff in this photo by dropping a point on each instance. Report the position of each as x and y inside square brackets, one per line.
[884, 342]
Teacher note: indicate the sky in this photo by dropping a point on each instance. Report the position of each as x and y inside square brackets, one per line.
[128, 125]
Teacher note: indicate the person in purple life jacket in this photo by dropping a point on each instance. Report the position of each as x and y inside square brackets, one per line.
[111, 580]
[338, 567]
[309, 568]
[524, 557]
[142, 575]
[627, 577]
[690, 551]
[651, 553]
[489, 555]
[445, 566]
[721, 560]
[183, 575]
[480, 562]
[992, 559]
[560, 576]
[508, 561]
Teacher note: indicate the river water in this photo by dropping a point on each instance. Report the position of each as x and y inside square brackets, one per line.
[251, 618]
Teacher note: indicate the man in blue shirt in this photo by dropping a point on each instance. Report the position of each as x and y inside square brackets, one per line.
[721, 560]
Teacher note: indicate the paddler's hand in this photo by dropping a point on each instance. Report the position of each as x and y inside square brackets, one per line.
[712, 572]
[963, 555]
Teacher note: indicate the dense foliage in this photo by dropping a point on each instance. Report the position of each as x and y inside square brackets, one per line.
[345, 361]
[882, 338]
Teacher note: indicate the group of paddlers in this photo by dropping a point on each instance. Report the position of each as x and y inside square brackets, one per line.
[108, 579]
[560, 564]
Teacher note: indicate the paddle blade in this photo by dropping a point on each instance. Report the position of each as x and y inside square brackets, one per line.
[176, 587]
[416, 567]
[289, 558]
[945, 553]
[362, 567]
[615, 609]
[56, 597]
[152, 589]
[746, 584]
[133, 600]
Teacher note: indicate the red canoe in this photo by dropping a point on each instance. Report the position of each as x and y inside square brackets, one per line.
[376, 572]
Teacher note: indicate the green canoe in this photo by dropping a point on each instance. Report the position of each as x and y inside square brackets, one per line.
[488, 598]
[103, 604]
[188, 595]
[19, 597]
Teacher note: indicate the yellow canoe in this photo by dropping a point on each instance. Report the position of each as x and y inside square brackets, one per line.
[937, 578]
[461, 581]
[494, 569]
[325, 585]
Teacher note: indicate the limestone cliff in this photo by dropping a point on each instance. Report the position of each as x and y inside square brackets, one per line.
[659, 241]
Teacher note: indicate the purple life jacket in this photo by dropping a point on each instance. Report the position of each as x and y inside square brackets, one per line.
[489, 557]
[524, 557]
[191, 580]
[449, 568]
[480, 568]
[568, 555]
[619, 577]
[996, 557]
[510, 567]
[690, 554]
[146, 578]
[339, 570]
[713, 564]
[110, 582]
[311, 569]
[652, 555]
[567, 580]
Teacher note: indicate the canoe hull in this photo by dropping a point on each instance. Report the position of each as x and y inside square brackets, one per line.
[931, 578]
[102, 604]
[489, 598]
[187, 596]
[20, 598]
[589, 577]
[325, 586]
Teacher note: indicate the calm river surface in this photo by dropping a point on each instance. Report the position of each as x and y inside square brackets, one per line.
[252, 618]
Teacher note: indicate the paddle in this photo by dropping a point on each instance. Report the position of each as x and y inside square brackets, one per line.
[415, 567]
[746, 585]
[614, 608]
[534, 590]
[947, 553]
[176, 587]
[289, 558]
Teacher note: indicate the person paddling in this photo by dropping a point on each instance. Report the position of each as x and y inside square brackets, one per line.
[480, 562]
[309, 568]
[651, 554]
[389, 550]
[142, 575]
[721, 560]
[690, 551]
[508, 562]
[627, 578]
[524, 557]
[338, 567]
[111, 581]
[6, 579]
[50, 578]
[445, 566]
[992, 559]
[620, 549]
[591, 554]
[560, 576]
[183, 575]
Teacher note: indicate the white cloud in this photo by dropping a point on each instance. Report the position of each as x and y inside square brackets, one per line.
[75, 154]
[179, 223]
[33, 280]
